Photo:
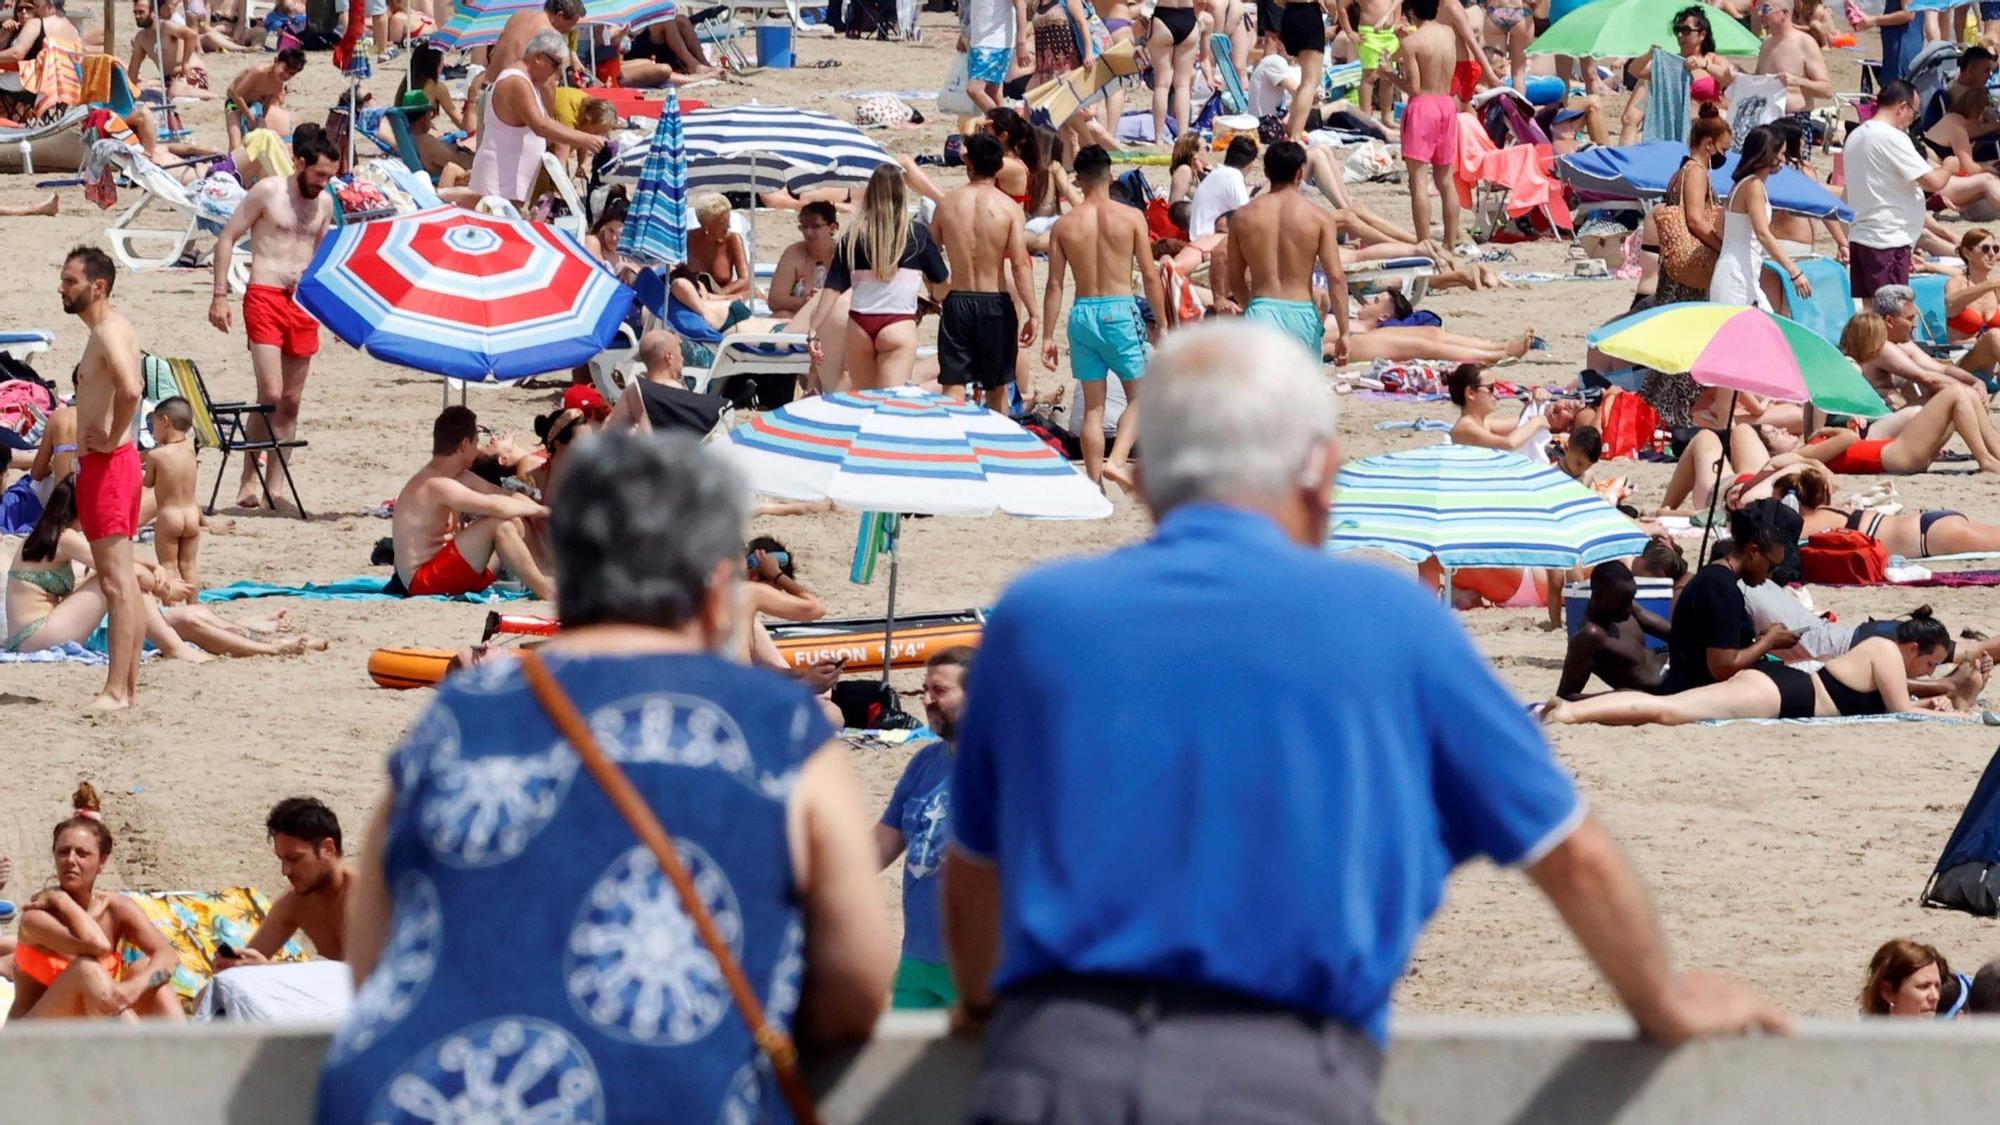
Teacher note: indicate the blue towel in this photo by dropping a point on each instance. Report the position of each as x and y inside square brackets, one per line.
[1666, 99]
[361, 588]
[71, 653]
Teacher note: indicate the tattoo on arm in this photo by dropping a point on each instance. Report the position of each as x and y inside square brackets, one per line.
[159, 977]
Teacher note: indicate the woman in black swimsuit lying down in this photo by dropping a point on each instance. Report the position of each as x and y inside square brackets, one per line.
[1872, 678]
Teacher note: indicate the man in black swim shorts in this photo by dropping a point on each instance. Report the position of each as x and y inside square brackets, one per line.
[983, 234]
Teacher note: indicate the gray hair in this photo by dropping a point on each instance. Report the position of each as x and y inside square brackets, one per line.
[1890, 299]
[638, 526]
[549, 44]
[1233, 412]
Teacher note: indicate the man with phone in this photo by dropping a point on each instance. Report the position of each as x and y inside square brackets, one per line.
[305, 836]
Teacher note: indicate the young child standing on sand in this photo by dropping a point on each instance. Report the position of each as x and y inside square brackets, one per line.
[170, 474]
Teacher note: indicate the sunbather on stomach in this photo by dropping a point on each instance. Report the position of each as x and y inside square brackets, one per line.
[1913, 535]
[1872, 678]
[47, 606]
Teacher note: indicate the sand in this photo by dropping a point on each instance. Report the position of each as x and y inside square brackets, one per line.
[1784, 856]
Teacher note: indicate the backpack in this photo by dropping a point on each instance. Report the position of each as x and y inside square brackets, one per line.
[1844, 557]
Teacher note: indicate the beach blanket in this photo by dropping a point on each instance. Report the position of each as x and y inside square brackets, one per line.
[71, 653]
[1850, 720]
[1420, 425]
[196, 922]
[361, 588]
[1957, 578]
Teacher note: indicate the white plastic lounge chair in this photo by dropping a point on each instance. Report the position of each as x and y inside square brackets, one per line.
[1411, 275]
[614, 368]
[20, 343]
[158, 189]
[741, 356]
[575, 222]
[24, 139]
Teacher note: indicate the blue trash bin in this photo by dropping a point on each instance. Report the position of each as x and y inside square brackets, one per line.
[774, 43]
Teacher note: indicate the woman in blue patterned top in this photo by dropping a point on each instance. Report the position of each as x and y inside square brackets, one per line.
[523, 957]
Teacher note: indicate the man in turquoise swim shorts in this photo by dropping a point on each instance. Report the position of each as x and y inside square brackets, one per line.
[1102, 241]
[1275, 240]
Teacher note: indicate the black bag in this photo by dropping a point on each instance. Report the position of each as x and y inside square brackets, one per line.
[871, 704]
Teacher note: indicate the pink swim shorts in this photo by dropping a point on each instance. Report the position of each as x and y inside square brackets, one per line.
[1430, 130]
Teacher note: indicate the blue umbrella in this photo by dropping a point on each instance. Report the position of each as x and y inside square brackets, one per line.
[656, 227]
[1642, 171]
[1475, 507]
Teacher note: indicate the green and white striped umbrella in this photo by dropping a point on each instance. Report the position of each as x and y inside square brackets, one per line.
[1475, 507]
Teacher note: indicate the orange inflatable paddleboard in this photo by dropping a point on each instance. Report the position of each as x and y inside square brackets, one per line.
[409, 667]
[863, 650]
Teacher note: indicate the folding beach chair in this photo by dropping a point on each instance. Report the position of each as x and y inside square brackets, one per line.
[221, 425]
[1932, 333]
[1234, 95]
[1831, 305]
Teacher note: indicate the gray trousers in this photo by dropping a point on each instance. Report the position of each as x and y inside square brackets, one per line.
[1100, 1051]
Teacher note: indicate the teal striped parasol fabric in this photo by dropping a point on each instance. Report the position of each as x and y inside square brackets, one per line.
[478, 23]
[1475, 507]
[656, 225]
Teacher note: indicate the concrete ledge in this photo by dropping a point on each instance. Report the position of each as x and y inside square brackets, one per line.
[1442, 1071]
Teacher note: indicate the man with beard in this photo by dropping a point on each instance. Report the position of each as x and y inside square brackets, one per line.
[916, 817]
[285, 219]
[182, 73]
[305, 836]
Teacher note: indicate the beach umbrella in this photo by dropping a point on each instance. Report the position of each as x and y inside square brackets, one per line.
[1625, 29]
[904, 450]
[656, 225]
[1642, 172]
[1744, 349]
[478, 23]
[756, 148]
[464, 294]
[1469, 506]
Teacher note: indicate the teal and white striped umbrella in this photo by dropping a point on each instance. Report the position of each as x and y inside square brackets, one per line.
[1475, 507]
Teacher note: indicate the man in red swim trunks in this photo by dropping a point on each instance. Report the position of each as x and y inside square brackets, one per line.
[108, 386]
[285, 219]
[436, 553]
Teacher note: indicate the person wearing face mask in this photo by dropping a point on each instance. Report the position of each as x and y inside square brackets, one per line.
[1673, 393]
[285, 218]
[489, 819]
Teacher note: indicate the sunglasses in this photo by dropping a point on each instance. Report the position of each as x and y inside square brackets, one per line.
[1689, 29]
[1487, 387]
[1988, 248]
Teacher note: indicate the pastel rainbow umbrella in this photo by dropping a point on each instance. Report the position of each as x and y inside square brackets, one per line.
[1743, 349]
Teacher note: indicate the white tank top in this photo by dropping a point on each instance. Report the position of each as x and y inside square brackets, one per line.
[509, 156]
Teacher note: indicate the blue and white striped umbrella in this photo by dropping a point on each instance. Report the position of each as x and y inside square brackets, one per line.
[466, 295]
[656, 226]
[759, 148]
[1476, 507]
[478, 23]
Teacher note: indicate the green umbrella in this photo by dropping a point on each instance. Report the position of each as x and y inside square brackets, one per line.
[1624, 29]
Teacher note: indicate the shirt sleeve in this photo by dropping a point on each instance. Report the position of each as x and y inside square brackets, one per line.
[892, 814]
[1910, 163]
[1499, 791]
[929, 258]
[840, 275]
[974, 821]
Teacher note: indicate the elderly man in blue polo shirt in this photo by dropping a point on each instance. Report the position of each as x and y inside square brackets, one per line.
[1248, 772]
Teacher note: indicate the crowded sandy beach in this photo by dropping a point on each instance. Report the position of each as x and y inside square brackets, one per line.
[1782, 855]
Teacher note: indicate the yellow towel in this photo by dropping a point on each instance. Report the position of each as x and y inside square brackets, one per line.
[268, 150]
[97, 70]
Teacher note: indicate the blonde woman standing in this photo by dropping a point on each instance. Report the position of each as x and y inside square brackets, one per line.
[883, 261]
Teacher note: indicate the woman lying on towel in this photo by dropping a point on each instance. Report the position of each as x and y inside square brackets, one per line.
[47, 606]
[66, 964]
[1913, 535]
[1370, 339]
[1872, 678]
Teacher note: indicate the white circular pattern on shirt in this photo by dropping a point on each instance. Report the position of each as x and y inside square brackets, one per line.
[490, 678]
[481, 811]
[636, 967]
[405, 969]
[782, 998]
[514, 1068]
[435, 734]
[746, 1094]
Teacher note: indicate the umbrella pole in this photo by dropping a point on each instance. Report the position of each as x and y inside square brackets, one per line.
[889, 621]
[1715, 494]
[1445, 590]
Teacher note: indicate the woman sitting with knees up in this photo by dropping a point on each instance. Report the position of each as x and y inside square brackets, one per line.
[66, 960]
[1871, 678]
[1471, 390]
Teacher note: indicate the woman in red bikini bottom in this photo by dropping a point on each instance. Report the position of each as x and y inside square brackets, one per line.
[881, 327]
[69, 937]
[1913, 448]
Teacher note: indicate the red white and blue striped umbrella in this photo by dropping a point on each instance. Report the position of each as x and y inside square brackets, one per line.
[466, 295]
[906, 450]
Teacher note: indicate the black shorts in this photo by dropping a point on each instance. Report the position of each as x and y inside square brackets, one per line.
[977, 340]
[1302, 28]
[1179, 22]
[1270, 17]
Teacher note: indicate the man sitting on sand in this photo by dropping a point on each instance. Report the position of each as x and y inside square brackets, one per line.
[435, 552]
[305, 836]
[1612, 640]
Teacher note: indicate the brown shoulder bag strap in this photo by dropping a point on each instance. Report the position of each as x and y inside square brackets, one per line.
[773, 1041]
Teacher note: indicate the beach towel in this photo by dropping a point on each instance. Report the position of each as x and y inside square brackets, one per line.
[361, 588]
[56, 74]
[1519, 168]
[71, 653]
[1851, 720]
[269, 152]
[196, 922]
[1957, 578]
[1666, 99]
[310, 992]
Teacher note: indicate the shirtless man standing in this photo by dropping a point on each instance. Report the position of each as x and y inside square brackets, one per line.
[109, 473]
[305, 836]
[1791, 50]
[1430, 120]
[1274, 242]
[285, 219]
[1102, 241]
[255, 90]
[1612, 639]
[983, 326]
[435, 554]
